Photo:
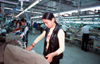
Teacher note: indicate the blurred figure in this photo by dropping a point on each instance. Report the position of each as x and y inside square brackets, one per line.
[24, 34]
[85, 37]
[34, 27]
[13, 25]
[18, 26]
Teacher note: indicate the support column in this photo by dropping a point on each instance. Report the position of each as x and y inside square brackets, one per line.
[78, 8]
[59, 10]
[2, 8]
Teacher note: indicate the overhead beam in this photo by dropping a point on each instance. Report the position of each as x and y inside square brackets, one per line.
[33, 4]
[8, 2]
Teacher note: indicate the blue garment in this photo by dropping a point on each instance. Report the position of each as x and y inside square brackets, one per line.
[35, 25]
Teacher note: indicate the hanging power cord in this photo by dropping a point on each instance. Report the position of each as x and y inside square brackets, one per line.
[17, 39]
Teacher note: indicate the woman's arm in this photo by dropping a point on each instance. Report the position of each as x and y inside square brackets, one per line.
[40, 37]
[36, 41]
[61, 38]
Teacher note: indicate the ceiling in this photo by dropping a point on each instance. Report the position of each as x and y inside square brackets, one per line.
[13, 7]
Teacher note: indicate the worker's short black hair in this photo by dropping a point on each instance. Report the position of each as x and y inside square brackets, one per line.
[23, 20]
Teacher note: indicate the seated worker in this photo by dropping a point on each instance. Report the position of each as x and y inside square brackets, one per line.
[18, 26]
[24, 34]
[13, 25]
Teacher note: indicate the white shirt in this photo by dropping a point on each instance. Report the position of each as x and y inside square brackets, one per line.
[85, 29]
[26, 29]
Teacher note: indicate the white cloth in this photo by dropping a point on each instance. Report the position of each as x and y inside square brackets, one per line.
[85, 29]
[26, 29]
[17, 26]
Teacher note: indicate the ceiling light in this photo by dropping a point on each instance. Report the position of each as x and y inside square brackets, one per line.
[75, 19]
[20, 10]
[9, 2]
[36, 2]
[36, 17]
[76, 11]
[87, 18]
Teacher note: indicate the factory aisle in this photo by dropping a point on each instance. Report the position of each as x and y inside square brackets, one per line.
[72, 54]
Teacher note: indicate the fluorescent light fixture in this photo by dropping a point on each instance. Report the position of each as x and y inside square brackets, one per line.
[87, 18]
[67, 21]
[24, 0]
[8, 2]
[68, 12]
[76, 11]
[75, 19]
[84, 9]
[36, 17]
[7, 8]
[36, 2]
[20, 10]
[96, 18]
[91, 8]
[79, 22]
[71, 17]
[90, 15]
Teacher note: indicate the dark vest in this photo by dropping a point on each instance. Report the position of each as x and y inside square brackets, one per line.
[53, 42]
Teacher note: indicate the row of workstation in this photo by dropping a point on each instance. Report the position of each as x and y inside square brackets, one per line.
[74, 35]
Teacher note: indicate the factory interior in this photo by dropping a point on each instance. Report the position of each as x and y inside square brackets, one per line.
[73, 14]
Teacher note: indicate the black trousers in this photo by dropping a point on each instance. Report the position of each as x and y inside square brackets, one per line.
[55, 61]
[85, 39]
[25, 39]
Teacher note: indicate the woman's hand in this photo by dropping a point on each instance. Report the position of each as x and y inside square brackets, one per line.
[29, 48]
[49, 58]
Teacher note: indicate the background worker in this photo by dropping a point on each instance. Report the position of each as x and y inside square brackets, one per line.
[24, 31]
[85, 37]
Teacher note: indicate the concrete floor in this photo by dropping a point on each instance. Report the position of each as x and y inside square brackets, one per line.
[72, 54]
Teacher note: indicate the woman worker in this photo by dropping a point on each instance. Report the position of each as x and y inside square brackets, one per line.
[54, 43]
